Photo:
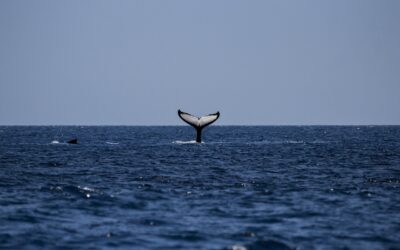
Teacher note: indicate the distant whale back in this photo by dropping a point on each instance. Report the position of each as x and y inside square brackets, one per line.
[73, 141]
[198, 122]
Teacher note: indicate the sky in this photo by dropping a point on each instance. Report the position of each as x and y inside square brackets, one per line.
[299, 62]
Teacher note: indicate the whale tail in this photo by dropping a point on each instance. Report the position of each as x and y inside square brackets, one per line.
[198, 122]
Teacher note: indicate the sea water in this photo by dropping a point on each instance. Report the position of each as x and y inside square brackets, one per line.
[267, 187]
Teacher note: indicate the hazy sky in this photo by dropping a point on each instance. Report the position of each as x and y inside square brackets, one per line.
[257, 62]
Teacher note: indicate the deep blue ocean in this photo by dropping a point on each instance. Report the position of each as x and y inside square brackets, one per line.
[245, 187]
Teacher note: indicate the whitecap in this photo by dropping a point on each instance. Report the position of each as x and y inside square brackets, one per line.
[86, 189]
[55, 142]
[276, 142]
[294, 142]
[112, 143]
[185, 142]
[238, 247]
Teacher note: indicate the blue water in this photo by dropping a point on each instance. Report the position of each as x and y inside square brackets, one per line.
[305, 187]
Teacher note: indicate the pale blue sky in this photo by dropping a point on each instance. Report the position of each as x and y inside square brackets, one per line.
[257, 62]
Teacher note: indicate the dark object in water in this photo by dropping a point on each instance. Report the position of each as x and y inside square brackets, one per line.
[73, 141]
[198, 122]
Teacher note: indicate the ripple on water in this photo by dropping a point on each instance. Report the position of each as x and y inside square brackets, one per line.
[263, 245]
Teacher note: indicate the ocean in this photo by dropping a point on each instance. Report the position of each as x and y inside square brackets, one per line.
[244, 187]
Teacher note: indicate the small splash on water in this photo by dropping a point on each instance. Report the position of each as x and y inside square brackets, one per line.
[86, 189]
[293, 142]
[112, 143]
[238, 247]
[263, 244]
[287, 142]
[55, 142]
[78, 191]
[186, 142]
[276, 142]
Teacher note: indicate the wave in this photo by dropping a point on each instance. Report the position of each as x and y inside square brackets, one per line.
[287, 142]
[263, 244]
[55, 142]
[276, 142]
[80, 191]
[112, 143]
[186, 142]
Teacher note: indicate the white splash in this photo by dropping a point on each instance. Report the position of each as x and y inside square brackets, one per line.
[112, 143]
[185, 142]
[86, 189]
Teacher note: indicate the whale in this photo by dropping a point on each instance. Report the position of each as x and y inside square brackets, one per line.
[73, 141]
[198, 123]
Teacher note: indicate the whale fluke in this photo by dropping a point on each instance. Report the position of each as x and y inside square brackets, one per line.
[73, 141]
[198, 122]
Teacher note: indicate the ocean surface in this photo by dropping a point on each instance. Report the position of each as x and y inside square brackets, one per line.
[245, 187]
